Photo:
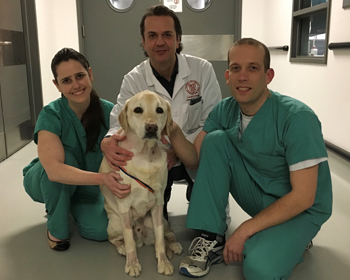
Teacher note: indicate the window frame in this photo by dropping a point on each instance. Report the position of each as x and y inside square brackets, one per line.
[298, 14]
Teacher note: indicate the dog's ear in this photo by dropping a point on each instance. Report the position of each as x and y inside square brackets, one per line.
[169, 120]
[123, 118]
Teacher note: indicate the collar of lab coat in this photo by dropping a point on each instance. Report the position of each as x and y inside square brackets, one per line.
[184, 72]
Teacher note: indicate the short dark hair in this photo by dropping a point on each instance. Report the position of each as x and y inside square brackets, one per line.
[161, 10]
[252, 42]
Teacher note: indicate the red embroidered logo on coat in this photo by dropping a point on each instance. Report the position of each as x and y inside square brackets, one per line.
[192, 87]
[176, 1]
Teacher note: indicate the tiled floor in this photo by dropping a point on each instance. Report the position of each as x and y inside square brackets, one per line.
[24, 252]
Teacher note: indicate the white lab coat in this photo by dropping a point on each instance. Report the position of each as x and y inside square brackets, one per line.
[196, 77]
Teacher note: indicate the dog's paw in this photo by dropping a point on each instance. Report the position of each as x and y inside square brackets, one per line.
[121, 249]
[165, 268]
[133, 269]
[176, 248]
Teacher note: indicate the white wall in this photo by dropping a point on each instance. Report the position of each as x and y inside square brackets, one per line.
[325, 88]
[57, 28]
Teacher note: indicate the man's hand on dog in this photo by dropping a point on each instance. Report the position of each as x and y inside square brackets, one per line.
[115, 155]
[171, 157]
[183, 149]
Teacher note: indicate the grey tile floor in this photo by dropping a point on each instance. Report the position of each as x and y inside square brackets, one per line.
[24, 252]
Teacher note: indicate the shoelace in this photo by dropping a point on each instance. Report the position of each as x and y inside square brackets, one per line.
[200, 247]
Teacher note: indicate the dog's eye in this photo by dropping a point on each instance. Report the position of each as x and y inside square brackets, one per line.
[138, 110]
[160, 110]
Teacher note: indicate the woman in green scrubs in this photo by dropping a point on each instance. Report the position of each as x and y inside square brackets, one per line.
[68, 133]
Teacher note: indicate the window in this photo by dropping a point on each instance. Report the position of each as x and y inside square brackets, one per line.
[310, 25]
[121, 5]
[198, 5]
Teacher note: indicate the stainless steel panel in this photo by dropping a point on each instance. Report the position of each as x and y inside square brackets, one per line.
[14, 93]
[32, 58]
[18, 136]
[13, 53]
[209, 47]
[10, 15]
[15, 114]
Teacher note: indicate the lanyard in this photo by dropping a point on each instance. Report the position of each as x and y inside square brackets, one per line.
[137, 180]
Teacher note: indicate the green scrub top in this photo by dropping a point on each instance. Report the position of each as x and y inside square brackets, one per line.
[58, 118]
[283, 132]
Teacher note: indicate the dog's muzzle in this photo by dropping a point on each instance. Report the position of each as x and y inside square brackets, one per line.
[151, 131]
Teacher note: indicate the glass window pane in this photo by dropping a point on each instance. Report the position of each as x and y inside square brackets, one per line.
[312, 35]
[199, 5]
[121, 4]
[311, 3]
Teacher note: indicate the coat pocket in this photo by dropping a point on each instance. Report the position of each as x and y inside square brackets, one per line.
[192, 115]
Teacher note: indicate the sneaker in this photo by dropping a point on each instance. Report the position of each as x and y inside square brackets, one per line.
[203, 253]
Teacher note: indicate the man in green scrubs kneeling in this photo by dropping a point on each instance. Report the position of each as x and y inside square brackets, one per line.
[267, 150]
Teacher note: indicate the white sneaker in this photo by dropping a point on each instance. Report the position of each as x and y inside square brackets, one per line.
[203, 253]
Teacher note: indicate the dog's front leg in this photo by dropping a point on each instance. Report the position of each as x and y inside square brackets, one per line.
[132, 266]
[164, 266]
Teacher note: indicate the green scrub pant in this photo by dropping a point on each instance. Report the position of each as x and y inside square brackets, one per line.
[269, 254]
[84, 203]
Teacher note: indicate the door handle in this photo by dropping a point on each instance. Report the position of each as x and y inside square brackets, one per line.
[5, 43]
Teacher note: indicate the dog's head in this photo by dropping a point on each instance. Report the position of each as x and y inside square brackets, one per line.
[146, 114]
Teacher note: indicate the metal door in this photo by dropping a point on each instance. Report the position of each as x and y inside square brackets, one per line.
[15, 117]
[111, 40]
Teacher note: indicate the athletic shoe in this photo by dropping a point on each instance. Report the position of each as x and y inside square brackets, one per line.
[203, 253]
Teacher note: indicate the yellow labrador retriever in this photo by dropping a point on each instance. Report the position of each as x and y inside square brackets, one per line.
[138, 218]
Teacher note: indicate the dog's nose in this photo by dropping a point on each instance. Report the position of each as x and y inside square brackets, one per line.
[151, 127]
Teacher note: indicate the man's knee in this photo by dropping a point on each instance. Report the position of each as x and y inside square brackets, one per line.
[217, 138]
[269, 266]
[253, 270]
[217, 146]
[256, 267]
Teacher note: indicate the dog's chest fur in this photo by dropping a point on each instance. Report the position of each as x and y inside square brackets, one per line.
[149, 165]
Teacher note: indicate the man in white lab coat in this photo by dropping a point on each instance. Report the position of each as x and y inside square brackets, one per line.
[189, 84]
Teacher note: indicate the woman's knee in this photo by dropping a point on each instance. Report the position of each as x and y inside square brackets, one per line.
[32, 182]
[97, 232]
[36, 177]
[91, 219]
